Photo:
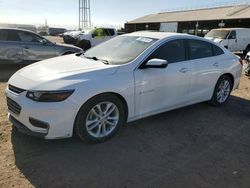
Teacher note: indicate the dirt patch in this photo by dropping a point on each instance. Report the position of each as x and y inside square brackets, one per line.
[55, 39]
[196, 146]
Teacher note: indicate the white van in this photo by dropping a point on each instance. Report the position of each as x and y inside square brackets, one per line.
[234, 39]
[89, 37]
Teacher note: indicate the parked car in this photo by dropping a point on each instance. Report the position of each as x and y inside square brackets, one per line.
[88, 38]
[247, 69]
[56, 31]
[19, 46]
[234, 39]
[70, 37]
[124, 79]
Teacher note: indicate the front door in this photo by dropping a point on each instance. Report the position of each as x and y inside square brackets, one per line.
[157, 88]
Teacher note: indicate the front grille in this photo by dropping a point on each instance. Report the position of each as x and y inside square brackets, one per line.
[13, 106]
[15, 89]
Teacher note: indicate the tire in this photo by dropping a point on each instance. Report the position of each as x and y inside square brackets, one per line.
[222, 91]
[247, 50]
[84, 44]
[93, 124]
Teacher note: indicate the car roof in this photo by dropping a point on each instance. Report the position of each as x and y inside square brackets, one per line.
[16, 29]
[155, 35]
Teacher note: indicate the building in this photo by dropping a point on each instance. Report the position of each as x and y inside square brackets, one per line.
[19, 26]
[198, 21]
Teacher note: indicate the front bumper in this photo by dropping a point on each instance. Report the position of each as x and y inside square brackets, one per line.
[58, 116]
[69, 40]
[23, 129]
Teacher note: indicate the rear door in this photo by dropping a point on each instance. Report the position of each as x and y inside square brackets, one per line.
[207, 64]
[11, 51]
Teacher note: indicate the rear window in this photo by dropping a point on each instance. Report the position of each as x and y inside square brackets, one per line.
[217, 50]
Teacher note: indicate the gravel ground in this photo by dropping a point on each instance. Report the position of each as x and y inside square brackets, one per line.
[55, 39]
[195, 146]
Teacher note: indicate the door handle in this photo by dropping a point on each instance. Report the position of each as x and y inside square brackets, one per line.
[216, 64]
[26, 47]
[184, 70]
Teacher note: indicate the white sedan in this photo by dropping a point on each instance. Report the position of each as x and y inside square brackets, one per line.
[127, 78]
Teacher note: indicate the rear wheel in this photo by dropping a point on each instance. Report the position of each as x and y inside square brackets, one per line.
[100, 118]
[222, 91]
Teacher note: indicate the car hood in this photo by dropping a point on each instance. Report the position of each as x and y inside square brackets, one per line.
[60, 72]
[68, 46]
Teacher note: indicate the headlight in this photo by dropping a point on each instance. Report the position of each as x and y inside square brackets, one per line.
[49, 96]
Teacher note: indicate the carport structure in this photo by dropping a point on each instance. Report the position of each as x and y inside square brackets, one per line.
[198, 21]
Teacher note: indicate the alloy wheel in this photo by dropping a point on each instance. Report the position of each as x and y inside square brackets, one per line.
[223, 91]
[102, 119]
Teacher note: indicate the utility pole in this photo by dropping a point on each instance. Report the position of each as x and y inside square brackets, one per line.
[84, 14]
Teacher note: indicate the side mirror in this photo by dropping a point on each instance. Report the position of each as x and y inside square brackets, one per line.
[44, 42]
[93, 35]
[156, 63]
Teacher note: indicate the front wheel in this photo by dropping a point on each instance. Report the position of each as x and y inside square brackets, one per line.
[100, 118]
[222, 91]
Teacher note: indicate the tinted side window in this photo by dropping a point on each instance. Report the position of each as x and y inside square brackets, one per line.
[3, 35]
[111, 32]
[13, 36]
[106, 31]
[232, 35]
[217, 50]
[28, 37]
[199, 49]
[173, 51]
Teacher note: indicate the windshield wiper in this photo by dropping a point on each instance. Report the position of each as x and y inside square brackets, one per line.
[79, 54]
[97, 59]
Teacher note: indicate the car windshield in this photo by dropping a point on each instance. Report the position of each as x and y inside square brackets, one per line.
[121, 49]
[220, 34]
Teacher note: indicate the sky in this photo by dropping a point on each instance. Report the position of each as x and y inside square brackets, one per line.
[109, 12]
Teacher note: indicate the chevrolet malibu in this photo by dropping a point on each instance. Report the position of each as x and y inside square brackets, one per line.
[124, 79]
